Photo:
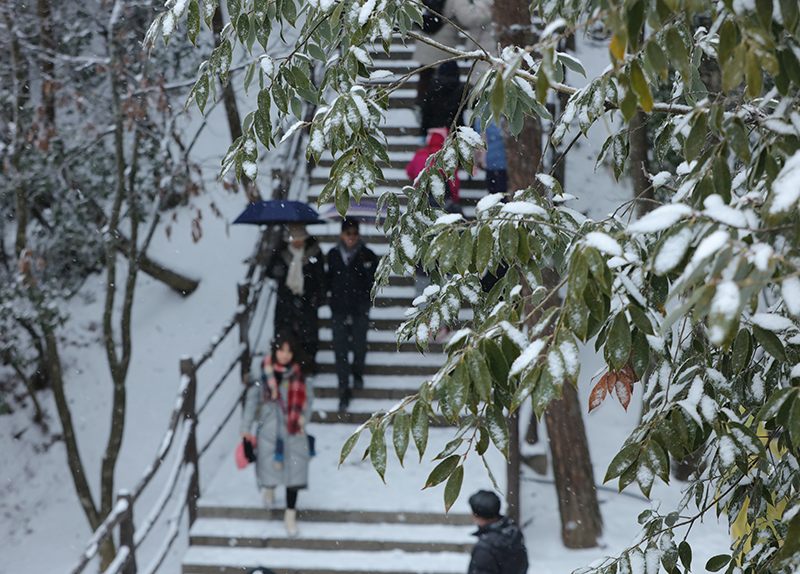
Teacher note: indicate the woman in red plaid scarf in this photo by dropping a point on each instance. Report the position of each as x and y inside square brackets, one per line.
[283, 398]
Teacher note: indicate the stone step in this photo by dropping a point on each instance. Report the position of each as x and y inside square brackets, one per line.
[212, 560]
[261, 513]
[315, 535]
[393, 177]
[386, 346]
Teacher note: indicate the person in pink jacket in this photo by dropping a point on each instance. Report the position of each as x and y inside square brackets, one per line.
[433, 143]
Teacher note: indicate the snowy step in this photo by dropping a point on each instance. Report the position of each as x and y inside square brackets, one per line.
[390, 388]
[332, 535]
[394, 176]
[208, 560]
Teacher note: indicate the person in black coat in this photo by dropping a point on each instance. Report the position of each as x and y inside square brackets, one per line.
[298, 267]
[442, 102]
[500, 548]
[351, 273]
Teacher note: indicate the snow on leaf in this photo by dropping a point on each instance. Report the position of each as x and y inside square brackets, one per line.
[661, 218]
[672, 251]
[527, 358]
[727, 450]
[716, 209]
[790, 290]
[514, 334]
[786, 187]
[772, 322]
[761, 253]
[603, 243]
[489, 202]
[523, 208]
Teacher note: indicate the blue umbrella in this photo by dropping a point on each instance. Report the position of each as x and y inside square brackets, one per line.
[278, 211]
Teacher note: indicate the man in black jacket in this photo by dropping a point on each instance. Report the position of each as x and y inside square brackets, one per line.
[500, 548]
[351, 272]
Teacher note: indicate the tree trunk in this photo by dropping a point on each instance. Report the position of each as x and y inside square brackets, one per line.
[175, 281]
[642, 188]
[514, 457]
[18, 142]
[47, 44]
[231, 109]
[581, 523]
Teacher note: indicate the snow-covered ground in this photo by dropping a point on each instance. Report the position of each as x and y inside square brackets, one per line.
[42, 526]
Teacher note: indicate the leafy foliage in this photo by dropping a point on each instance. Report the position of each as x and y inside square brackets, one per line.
[700, 299]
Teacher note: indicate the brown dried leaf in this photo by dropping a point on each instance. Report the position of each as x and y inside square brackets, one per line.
[623, 393]
[598, 394]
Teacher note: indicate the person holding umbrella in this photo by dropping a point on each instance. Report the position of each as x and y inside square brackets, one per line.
[351, 273]
[298, 267]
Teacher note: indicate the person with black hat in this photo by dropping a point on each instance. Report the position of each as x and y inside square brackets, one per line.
[500, 548]
[351, 273]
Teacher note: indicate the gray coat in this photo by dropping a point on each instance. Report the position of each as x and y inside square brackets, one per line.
[271, 424]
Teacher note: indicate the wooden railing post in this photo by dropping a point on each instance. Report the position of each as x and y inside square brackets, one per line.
[190, 455]
[126, 533]
[244, 328]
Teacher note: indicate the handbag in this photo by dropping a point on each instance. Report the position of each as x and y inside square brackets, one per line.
[245, 453]
[312, 445]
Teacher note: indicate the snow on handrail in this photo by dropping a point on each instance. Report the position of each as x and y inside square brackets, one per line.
[241, 350]
[174, 521]
[144, 528]
[119, 561]
[224, 422]
[166, 442]
[99, 536]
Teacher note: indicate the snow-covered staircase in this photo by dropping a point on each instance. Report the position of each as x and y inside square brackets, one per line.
[349, 520]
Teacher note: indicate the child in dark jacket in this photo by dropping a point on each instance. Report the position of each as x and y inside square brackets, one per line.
[351, 273]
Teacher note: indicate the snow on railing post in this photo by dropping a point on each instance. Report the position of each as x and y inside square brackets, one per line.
[190, 454]
[244, 327]
[126, 533]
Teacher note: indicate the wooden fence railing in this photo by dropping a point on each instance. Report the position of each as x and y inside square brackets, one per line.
[182, 484]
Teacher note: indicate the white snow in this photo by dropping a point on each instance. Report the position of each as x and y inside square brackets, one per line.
[527, 358]
[603, 243]
[786, 187]
[772, 322]
[661, 218]
[790, 290]
[489, 202]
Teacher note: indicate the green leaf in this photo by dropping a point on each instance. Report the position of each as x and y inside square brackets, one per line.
[347, 448]
[193, 22]
[640, 320]
[640, 86]
[508, 242]
[546, 391]
[622, 461]
[242, 28]
[794, 423]
[483, 441]
[736, 136]
[677, 52]
[791, 542]
[641, 354]
[685, 554]
[790, 13]
[201, 92]
[464, 258]
[453, 487]
[458, 388]
[402, 424]
[377, 452]
[234, 7]
[693, 144]
[578, 274]
[771, 343]
[618, 343]
[498, 428]
[742, 347]
[497, 361]
[479, 375]
[774, 403]
[718, 562]
[449, 448]
[727, 41]
[484, 248]
[419, 427]
[498, 98]
[655, 56]
[442, 471]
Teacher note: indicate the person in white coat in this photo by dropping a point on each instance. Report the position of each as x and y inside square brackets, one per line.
[474, 17]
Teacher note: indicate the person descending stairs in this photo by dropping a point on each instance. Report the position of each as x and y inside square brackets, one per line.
[349, 520]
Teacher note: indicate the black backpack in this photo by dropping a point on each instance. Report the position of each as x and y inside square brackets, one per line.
[431, 21]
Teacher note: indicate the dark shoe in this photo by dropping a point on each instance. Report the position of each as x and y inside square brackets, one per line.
[344, 402]
[358, 382]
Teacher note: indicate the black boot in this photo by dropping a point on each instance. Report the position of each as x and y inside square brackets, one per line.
[358, 382]
[344, 399]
